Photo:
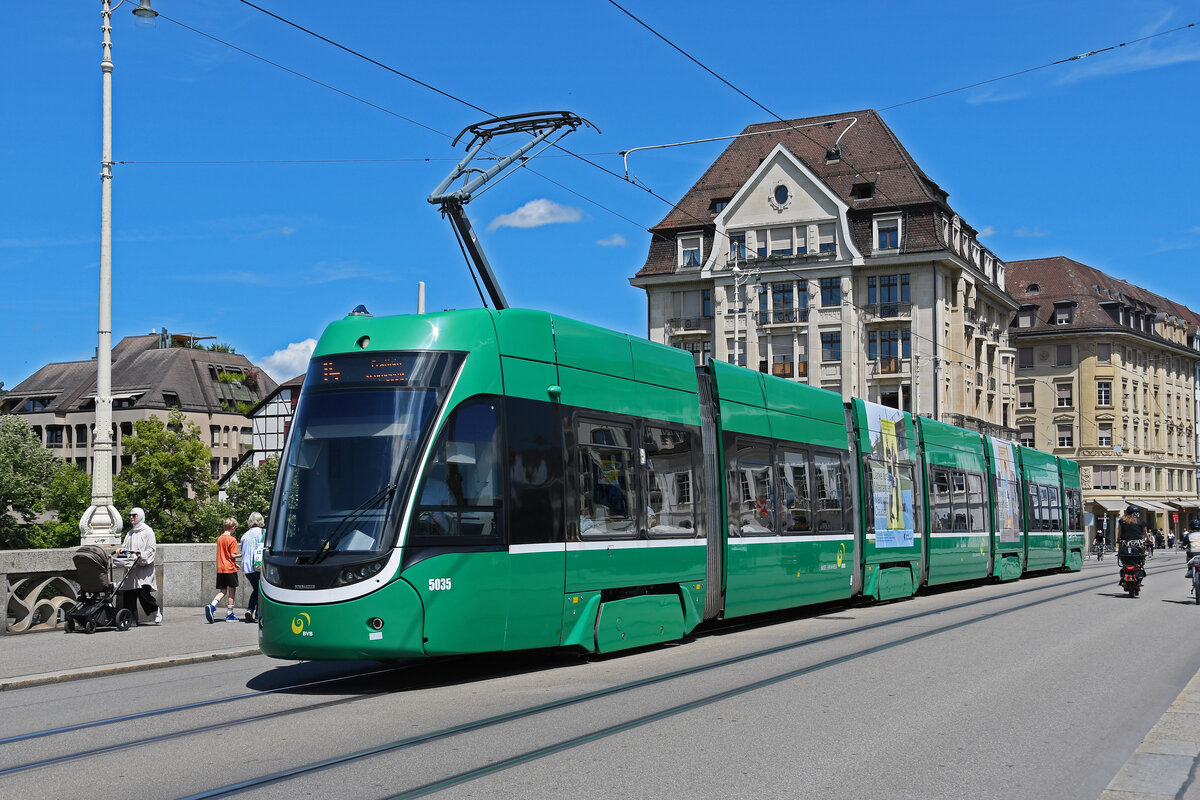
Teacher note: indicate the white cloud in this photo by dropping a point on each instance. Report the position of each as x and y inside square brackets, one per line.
[283, 365]
[536, 213]
[1032, 233]
[281, 231]
[616, 240]
[994, 96]
[986, 230]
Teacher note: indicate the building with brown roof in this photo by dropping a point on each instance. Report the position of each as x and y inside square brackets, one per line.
[818, 250]
[1106, 375]
[151, 375]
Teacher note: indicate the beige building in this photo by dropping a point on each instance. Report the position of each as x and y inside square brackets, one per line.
[1106, 375]
[151, 375]
[817, 250]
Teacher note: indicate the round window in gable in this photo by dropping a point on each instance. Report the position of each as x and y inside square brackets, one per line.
[781, 194]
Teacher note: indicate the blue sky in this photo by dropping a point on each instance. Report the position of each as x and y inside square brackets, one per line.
[1094, 159]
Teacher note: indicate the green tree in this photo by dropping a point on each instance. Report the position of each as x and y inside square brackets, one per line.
[252, 489]
[169, 477]
[25, 469]
[70, 494]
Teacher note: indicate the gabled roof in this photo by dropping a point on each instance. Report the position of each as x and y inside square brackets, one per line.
[867, 153]
[1060, 279]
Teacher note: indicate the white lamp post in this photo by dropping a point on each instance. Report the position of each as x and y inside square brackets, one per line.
[101, 523]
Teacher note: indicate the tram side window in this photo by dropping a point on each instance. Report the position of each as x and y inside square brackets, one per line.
[751, 505]
[942, 512]
[671, 502]
[1054, 508]
[975, 497]
[1074, 510]
[1035, 509]
[460, 496]
[796, 492]
[535, 471]
[607, 497]
[958, 490]
[831, 496]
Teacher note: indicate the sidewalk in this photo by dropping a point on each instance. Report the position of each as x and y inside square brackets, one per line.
[32, 659]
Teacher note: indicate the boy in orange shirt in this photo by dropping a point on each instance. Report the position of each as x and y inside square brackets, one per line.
[227, 570]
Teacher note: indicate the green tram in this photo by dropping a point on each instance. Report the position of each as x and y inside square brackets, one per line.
[481, 480]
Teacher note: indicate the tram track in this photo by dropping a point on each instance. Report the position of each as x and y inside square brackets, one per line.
[292, 773]
[1081, 583]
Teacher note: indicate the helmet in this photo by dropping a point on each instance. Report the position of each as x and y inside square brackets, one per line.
[1132, 511]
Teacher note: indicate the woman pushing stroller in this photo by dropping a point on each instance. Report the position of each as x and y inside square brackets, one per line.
[140, 583]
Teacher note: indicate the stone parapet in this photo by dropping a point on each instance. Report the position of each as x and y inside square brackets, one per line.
[36, 584]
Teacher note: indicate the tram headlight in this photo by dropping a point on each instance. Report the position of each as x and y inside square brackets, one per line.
[271, 573]
[354, 573]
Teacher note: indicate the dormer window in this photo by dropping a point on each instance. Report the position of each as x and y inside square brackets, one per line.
[1033, 288]
[689, 251]
[718, 205]
[887, 233]
[1064, 312]
[1027, 316]
[862, 191]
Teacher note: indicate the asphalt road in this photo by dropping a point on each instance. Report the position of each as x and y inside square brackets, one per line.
[1036, 689]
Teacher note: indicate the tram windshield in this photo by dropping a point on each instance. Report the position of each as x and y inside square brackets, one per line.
[351, 451]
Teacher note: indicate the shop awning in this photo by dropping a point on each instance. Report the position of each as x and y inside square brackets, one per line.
[1109, 505]
[1151, 505]
[1181, 505]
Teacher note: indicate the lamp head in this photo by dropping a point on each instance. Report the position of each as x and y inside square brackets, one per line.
[144, 12]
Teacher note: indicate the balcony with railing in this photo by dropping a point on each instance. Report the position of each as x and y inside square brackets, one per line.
[783, 316]
[890, 365]
[887, 311]
[826, 252]
[683, 326]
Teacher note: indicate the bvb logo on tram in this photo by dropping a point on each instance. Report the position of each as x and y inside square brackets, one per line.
[299, 625]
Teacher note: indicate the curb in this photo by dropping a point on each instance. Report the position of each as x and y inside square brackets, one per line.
[102, 670]
[1164, 766]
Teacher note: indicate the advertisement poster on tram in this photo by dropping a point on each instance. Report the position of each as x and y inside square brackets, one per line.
[891, 476]
[1008, 491]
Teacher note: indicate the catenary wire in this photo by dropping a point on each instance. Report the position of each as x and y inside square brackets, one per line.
[581, 156]
[378, 107]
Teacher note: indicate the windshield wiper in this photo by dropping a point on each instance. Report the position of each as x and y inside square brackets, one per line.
[372, 502]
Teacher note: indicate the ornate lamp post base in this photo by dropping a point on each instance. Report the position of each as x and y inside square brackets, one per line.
[101, 525]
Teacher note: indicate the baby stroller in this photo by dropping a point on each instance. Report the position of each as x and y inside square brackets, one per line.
[95, 609]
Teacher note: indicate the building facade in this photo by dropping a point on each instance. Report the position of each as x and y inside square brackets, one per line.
[1107, 375]
[817, 250]
[151, 375]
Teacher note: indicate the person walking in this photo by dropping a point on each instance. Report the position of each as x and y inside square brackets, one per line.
[140, 582]
[252, 561]
[227, 571]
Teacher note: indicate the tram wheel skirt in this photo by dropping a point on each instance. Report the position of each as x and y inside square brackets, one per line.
[638, 621]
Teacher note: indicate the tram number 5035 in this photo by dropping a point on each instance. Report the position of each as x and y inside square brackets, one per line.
[439, 584]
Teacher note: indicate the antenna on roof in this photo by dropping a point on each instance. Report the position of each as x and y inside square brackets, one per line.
[539, 124]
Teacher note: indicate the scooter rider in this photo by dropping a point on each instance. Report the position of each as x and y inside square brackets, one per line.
[1131, 541]
[1130, 527]
[1191, 540]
